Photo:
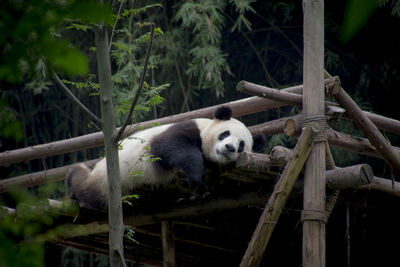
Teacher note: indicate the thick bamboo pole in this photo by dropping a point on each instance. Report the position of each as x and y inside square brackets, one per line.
[278, 198]
[313, 215]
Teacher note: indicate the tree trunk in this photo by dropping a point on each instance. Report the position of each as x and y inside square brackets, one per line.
[116, 227]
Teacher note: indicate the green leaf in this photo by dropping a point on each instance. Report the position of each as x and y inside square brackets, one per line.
[65, 58]
[89, 11]
[356, 16]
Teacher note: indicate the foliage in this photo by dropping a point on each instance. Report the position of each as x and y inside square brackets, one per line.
[395, 6]
[29, 33]
[10, 126]
[21, 242]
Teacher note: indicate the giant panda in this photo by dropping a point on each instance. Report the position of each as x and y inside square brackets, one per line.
[152, 156]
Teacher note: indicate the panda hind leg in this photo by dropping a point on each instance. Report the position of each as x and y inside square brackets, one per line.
[191, 162]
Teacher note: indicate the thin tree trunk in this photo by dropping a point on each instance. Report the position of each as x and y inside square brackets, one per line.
[115, 217]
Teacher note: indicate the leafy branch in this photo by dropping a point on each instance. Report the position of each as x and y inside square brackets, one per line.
[74, 98]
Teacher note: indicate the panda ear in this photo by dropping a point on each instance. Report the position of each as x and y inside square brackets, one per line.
[258, 142]
[223, 113]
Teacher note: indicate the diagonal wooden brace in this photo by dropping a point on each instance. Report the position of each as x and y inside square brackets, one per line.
[367, 126]
[278, 198]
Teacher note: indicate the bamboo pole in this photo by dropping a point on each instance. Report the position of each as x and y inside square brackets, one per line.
[168, 244]
[278, 198]
[341, 140]
[313, 215]
[383, 185]
[279, 95]
[369, 129]
[39, 178]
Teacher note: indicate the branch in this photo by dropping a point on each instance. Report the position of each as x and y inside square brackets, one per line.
[115, 24]
[128, 119]
[74, 98]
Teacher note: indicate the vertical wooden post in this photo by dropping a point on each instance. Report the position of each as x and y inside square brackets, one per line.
[168, 244]
[313, 215]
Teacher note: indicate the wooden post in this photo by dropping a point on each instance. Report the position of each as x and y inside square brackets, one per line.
[275, 204]
[168, 244]
[313, 215]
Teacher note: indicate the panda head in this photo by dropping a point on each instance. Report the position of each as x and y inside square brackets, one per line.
[225, 138]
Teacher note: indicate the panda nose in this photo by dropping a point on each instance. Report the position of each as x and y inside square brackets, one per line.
[230, 148]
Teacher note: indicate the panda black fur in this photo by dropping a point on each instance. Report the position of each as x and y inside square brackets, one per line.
[180, 146]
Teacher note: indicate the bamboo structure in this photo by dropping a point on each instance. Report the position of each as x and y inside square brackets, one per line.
[251, 178]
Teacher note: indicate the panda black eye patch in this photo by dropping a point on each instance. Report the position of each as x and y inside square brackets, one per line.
[241, 146]
[224, 135]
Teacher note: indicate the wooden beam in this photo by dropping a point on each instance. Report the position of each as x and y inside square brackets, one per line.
[384, 185]
[168, 244]
[292, 127]
[336, 178]
[278, 198]
[39, 178]
[279, 95]
[369, 129]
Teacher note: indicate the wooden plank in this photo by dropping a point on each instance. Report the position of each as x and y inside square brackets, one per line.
[278, 198]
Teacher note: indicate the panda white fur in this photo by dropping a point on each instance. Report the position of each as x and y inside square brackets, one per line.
[179, 146]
